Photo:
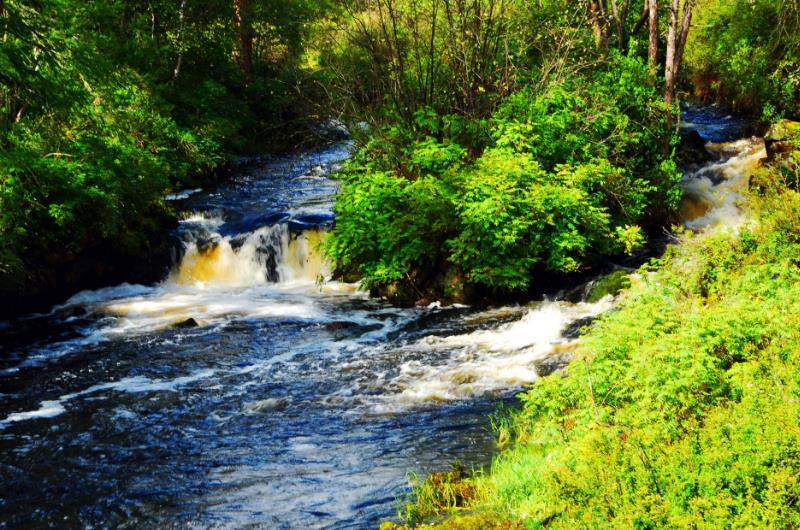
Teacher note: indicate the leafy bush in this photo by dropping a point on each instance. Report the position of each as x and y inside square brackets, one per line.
[569, 175]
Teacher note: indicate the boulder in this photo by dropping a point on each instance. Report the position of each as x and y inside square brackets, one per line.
[782, 137]
[693, 148]
[557, 360]
[188, 323]
[610, 284]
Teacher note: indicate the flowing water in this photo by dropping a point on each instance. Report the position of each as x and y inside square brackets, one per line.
[249, 390]
[713, 192]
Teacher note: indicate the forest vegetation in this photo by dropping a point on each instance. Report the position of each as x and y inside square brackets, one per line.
[106, 106]
[498, 144]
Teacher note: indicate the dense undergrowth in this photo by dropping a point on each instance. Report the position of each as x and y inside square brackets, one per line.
[745, 54]
[681, 408]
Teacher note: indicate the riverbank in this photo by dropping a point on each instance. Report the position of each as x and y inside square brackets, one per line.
[680, 407]
[142, 247]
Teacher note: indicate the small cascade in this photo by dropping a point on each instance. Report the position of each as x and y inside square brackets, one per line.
[492, 360]
[221, 277]
[714, 191]
[270, 254]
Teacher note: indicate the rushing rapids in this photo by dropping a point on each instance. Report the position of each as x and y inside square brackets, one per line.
[249, 389]
[714, 191]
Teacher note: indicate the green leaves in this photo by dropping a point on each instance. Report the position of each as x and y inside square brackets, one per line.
[571, 174]
[387, 226]
[748, 54]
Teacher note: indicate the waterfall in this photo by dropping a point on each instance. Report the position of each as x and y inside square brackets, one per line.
[270, 254]
[713, 191]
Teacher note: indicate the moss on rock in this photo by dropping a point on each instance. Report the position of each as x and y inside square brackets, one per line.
[611, 284]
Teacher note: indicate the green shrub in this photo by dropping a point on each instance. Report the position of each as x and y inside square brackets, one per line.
[570, 174]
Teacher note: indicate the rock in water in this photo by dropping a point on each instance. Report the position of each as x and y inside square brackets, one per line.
[782, 137]
[188, 323]
[266, 405]
[693, 148]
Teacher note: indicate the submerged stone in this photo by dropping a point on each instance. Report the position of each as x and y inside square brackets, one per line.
[266, 405]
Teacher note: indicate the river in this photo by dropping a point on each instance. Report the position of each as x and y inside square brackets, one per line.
[249, 390]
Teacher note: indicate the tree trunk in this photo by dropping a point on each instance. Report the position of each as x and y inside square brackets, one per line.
[618, 24]
[181, 10]
[676, 43]
[597, 15]
[672, 41]
[620, 16]
[686, 23]
[242, 15]
[652, 49]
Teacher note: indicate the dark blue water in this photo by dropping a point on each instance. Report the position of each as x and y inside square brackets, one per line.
[280, 405]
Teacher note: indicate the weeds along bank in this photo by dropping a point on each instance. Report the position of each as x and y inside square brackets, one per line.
[106, 106]
[680, 408]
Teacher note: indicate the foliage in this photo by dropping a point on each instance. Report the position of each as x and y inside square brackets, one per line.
[104, 106]
[746, 53]
[450, 56]
[681, 407]
[561, 177]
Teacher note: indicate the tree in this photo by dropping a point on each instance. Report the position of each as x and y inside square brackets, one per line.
[677, 32]
[652, 48]
[615, 23]
[609, 21]
[242, 12]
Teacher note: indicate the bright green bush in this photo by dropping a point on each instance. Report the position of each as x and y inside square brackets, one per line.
[514, 216]
[570, 174]
[387, 225]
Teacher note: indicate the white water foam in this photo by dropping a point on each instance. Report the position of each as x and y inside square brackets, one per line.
[135, 384]
[47, 409]
[718, 188]
[485, 361]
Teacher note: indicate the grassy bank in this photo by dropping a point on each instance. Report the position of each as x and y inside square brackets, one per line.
[681, 408]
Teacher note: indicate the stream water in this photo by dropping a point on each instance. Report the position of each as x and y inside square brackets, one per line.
[248, 390]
